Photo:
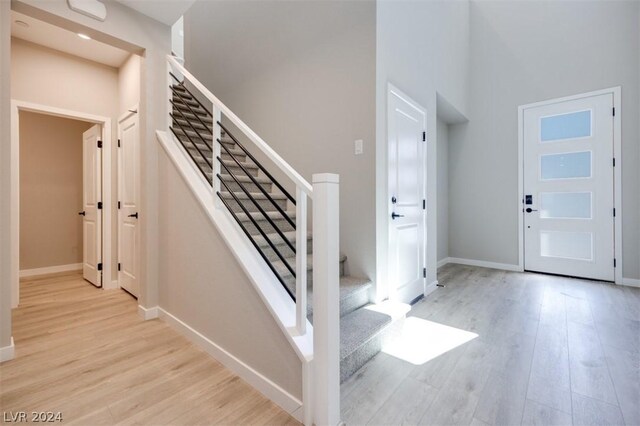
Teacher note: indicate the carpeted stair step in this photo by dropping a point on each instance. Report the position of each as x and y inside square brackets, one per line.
[354, 294]
[362, 333]
[191, 124]
[247, 183]
[260, 198]
[264, 224]
[282, 247]
[290, 280]
[192, 134]
[233, 168]
[197, 114]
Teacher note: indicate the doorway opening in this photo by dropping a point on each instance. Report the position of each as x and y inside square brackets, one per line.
[570, 197]
[44, 172]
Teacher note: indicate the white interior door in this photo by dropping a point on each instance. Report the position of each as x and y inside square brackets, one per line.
[128, 199]
[407, 162]
[568, 187]
[92, 206]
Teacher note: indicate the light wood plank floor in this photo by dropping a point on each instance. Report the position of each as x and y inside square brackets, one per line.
[84, 352]
[550, 351]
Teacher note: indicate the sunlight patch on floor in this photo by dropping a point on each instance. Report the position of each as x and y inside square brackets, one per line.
[421, 340]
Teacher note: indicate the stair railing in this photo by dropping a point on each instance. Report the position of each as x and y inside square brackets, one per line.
[322, 397]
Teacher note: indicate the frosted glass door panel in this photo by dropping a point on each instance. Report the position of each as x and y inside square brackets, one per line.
[568, 245]
[569, 165]
[565, 205]
[565, 126]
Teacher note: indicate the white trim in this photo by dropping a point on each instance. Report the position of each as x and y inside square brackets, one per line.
[484, 264]
[631, 282]
[264, 385]
[7, 353]
[14, 217]
[148, 313]
[617, 173]
[50, 270]
[443, 262]
[110, 285]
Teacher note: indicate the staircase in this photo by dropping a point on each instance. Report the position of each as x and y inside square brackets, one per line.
[265, 212]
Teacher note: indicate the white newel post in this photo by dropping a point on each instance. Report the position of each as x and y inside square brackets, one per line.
[326, 299]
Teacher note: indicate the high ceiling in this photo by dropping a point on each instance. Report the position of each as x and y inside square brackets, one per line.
[165, 11]
[48, 35]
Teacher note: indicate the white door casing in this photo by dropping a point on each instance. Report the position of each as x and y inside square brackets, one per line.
[406, 171]
[91, 206]
[128, 202]
[568, 173]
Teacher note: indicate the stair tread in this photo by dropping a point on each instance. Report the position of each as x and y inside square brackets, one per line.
[349, 285]
[276, 239]
[245, 179]
[232, 163]
[273, 215]
[284, 272]
[256, 195]
[359, 326]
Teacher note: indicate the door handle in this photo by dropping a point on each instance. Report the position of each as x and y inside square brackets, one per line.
[529, 210]
[82, 213]
[134, 215]
[395, 215]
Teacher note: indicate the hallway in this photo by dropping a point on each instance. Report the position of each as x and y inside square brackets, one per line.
[531, 349]
[85, 353]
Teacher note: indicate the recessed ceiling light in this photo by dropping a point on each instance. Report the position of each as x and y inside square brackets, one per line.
[84, 36]
[22, 24]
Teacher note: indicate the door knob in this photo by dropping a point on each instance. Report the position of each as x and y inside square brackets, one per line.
[134, 215]
[395, 215]
[82, 213]
[529, 210]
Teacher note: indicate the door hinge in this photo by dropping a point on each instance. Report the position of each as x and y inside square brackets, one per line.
[614, 111]
[424, 272]
[118, 143]
[614, 162]
[614, 262]
[118, 205]
[99, 266]
[424, 204]
[424, 136]
[118, 266]
[99, 205]
[614, 212]
[99, 144]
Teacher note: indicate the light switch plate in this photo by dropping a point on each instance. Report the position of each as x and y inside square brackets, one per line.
[358, 147]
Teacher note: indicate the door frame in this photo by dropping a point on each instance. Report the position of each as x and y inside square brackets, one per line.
[394, 91]
[14, 217]
[616, 92]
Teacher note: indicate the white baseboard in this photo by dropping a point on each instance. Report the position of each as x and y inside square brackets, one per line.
[443, 262]
[631, 282]
[148, 313]
[484, 264]
[50, 270]
[7, 353]
[269, 389]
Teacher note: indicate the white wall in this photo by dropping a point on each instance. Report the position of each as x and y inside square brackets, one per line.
[302, 75]
[523, 52]
[202, 284]
[422, 48]
[129, 84]
[442, 164]
[5, 173]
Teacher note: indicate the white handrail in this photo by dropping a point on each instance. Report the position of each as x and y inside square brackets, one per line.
[257, 140]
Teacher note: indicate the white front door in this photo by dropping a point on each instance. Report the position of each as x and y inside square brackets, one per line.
[406, 134]
[568, 185]
[92, 206]
[128, 199]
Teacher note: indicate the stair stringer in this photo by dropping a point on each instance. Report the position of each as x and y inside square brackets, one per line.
[270, 290]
